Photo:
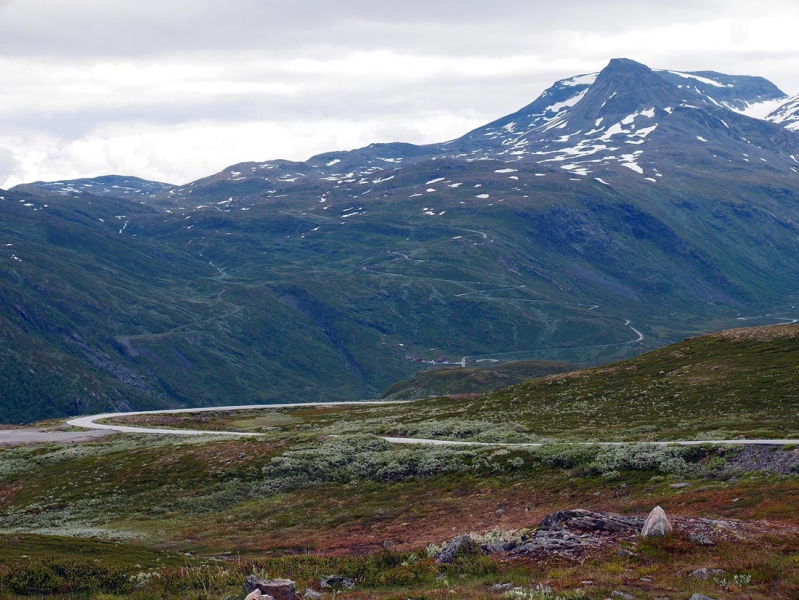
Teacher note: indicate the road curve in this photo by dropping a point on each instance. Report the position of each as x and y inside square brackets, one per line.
[89, 423]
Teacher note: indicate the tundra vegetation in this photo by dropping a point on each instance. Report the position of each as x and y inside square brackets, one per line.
[318, 493]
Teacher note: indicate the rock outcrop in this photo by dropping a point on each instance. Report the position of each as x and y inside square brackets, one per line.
[569, 533]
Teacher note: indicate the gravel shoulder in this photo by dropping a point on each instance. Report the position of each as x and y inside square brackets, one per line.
[34, 435]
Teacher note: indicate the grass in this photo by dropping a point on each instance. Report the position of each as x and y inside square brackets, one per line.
[222, 502]
[450, 381]
[719, 386]
[317, 493]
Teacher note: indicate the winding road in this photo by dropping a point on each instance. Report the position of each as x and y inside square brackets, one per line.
[90, 423]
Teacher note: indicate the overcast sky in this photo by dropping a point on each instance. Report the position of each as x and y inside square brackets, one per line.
[174, 90]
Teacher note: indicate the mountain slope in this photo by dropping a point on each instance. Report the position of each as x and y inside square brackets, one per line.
[454, 381]
[617, 213]
[733, 383]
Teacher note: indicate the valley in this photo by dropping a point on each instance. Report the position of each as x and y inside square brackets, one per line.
[328, 370]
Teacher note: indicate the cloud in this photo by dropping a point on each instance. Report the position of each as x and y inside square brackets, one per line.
[8, 164]
[154, 27]
[180, 89]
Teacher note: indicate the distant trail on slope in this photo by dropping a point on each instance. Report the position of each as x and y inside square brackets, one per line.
[640, 335]
[125, 339]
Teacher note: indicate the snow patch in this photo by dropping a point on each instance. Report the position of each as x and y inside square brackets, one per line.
[698, 78]
[558, 106]
[759, 110]
[633, 166]
[587, 79]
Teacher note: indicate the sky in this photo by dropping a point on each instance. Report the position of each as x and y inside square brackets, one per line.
[176, 90]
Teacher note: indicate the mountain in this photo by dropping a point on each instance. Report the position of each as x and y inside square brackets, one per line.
[109, 186]
[786, 113]
[619, 212]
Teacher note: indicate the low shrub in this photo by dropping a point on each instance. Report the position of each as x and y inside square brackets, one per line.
[43, 578]
[370, 458]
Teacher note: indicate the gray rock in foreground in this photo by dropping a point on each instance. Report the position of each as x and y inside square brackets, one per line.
[656, 524]
[463, 545]
[258, 595]
[705, 574]
[571, 532]
[279, 589]
[337, 581]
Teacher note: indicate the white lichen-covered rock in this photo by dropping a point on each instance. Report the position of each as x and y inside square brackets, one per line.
[657, 523]
[271, 589]
[258, 595]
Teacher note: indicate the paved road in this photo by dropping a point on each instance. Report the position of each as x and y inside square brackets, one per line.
[89, 423]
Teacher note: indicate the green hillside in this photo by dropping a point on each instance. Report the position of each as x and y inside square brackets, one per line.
[456, 380]
[115, 304]
[735, 383]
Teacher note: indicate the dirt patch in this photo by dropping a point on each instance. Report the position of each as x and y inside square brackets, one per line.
[27, 436]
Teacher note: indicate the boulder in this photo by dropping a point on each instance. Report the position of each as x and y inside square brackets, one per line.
[312, 594]
[277, 589]
[337, 581]
[461, 546]
[705, 574]
[656, 524]
[258, 595]
[700, 597]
